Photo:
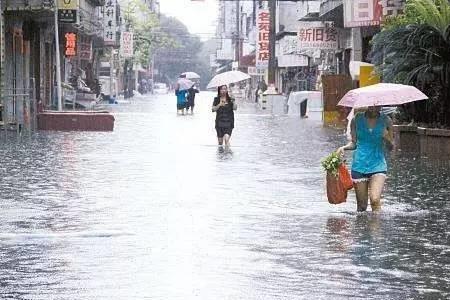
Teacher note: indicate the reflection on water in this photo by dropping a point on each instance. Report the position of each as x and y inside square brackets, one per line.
[155, 210]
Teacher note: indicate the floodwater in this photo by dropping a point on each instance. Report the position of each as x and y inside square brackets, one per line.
[155, 211]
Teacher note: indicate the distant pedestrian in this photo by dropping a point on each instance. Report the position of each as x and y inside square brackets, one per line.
[371, 133]
[191, 98]
[181, 100]
[181, 92]
[224, 107]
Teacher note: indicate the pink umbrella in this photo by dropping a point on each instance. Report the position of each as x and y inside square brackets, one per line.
[382, 94]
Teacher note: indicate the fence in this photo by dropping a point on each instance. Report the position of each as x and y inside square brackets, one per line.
[18, 108]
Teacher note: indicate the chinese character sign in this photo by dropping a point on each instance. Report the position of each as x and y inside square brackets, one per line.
[392, 8]
[359, 13]
[263, 44]
[109, 22]
[317, 38]
[126, 44]
[71, 44]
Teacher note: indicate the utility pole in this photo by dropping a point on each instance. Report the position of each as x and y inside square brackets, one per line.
[238, 31]
[272, 41]
[58, 61]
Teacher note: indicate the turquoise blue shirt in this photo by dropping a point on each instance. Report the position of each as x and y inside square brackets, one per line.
[181, 96]
[369, 154]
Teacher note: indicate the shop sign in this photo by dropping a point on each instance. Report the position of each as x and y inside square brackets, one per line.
[70, 46]
[263, 44]
[67, 11]
[109, 22]
[315, 35]
[361, 13]
[126, 44]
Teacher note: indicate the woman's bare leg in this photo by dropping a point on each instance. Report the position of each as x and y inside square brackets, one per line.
[362, 195]
[220, 141]
[376, 185]
[226, 137]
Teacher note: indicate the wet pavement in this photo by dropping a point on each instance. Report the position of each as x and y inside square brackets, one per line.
[155, 211]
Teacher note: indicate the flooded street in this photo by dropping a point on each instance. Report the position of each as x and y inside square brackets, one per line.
[155, 211]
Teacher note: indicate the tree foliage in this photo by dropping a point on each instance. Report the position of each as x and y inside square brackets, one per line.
[146, 27]
[415, 49]
[172, 61]
[166, 40]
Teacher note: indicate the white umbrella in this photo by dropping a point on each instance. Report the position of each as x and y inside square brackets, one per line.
[184, 84]
[227, 78]
[191, 75]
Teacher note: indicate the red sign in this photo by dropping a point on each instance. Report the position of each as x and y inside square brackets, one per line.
[71, 44]
[263, 45]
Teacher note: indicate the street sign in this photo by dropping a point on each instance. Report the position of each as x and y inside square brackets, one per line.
[67, 11]
[126, 44]
[110, 22]
[263, 44]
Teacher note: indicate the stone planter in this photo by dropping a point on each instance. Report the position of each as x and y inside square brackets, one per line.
[428, 142]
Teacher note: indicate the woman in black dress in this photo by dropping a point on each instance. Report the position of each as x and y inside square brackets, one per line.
[224, 107]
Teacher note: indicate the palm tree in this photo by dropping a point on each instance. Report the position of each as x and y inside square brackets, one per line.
[415, 49]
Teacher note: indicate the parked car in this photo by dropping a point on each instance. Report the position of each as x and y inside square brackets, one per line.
[160, 88]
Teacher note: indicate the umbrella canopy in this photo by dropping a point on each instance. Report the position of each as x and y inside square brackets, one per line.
[227, 78]
[382, 94]
[184, 84]
[191, 75]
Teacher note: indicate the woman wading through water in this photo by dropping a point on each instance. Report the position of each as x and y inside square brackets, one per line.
[371, 133]
[224, 107]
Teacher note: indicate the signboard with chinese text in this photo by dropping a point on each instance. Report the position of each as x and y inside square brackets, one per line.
[361, 13]
[126, 44]
[109, 22]
[314, 36]
[262, 43]
[70, 45]
[67, 11]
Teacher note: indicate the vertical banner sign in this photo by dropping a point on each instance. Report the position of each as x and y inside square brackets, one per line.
[361, 13]
[263, 44]
[126, 44]
[109, 22]
[85, 49]
[67, 11]
[70, 45]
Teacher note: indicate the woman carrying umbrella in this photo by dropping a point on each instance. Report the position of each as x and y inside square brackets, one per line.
[370, 130]
[224, 107]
